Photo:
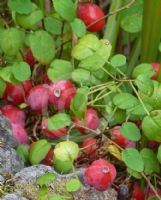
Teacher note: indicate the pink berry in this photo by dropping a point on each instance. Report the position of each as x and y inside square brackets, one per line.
[156, 69]
[48, 160]
[14, 114]
[29, 58]
[89, 146]
[19, 133]
[53, 134]
[100, 174]
[16, 94]
[89, 13]
[137, 194]
[91, 121]
[61, 94]
[38, 98]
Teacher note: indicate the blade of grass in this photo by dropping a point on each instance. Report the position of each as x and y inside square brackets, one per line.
[151, 32]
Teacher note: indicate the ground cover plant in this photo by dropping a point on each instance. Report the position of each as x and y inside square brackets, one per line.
[80, 83]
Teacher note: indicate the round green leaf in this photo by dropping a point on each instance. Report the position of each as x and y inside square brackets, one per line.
[159, 154]
[125, 100]
[65, 9]
[133, 173]
[133, 159]
[150, 161]
[52, 25]
[130, 131]
[11, 41]
[19, 6]
[132, 23]
[39, 151]
[118, 60]
[46, 179]
[2, 87]
[139, 109]
[60, 70]
[21, 71]
[143, 69]
[23, 152]
[78, 27]
[56, 197]
[59, 121]
[62, 166]
[42, 46]
[73, 185]
[81, 76]
[7, 75]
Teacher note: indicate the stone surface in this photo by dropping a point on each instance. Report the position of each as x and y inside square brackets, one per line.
[6, 137]
[13, 197]
[9, 161]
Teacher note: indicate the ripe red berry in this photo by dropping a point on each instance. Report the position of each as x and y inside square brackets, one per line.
[15, 94]
[19, 133]
[29, 58]
[100, 174]
[61, 94]
[156, 69]
[89, 13]
[120, 139]
[14, 114]
[52, 134]
[91, 121]
[48, 160]
[137, 194]
[38, 98]
[89, 146]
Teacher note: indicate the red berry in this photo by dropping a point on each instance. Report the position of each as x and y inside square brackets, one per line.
[61, 94]
[52, 133]
[14, 114]
[29, 58]
[137, 194]
[38, 98]
[89, 146]
[89, 13]
[100, 174]
[156, 69]
[91, 121]
[19, 133]
[48, 160]
[15, 94]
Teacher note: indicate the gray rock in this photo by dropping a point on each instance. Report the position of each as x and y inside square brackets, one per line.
[1, 180]
[9, 161]
[13, 197]
[6, 137]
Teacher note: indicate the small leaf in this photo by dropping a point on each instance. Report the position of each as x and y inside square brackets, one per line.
[133, 159]
[39, 151]
[159, 154]
[125, 100]
[19, 6]
[60, 70]
[130, 131]
[56, 197]
[142, 69]
[135, 174]
[79, 102]
[150, 161]
[118, 60]
[46, 179]
[113, 150]
[42, 193]
[21, 71]
[139, 109]
[23, 152]
[7, 75]
[73, 185]
[81, 76]
[2, 88]
[65, 9]
[78, 27]
[59, 121]
[53, 25]
[42, 46]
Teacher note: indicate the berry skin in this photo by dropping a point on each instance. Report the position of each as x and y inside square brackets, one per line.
[29, 58]
[52, 134]
[100, 174]
[89, 13]
[89, 146]
[19, 133]
[61, 94]
[137, 194]
[91, 121]
[15, 94]
[48, 160]
[14, 114]
[156, 69]
[38, 98]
